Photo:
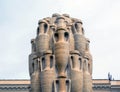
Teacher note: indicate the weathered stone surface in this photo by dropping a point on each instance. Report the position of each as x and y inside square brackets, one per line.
[22, 85]
[60, 60]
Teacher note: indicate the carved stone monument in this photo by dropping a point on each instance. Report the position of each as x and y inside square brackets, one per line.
[60, 60]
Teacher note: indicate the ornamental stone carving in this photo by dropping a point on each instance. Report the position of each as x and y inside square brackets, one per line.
[60, 59]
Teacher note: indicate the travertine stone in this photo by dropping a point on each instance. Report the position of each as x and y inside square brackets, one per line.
[61, 51]
[71, 38]
[51, 32]
[87, 82]
[75, 60]
[42, 43]
[47, 61]
[76, 72]
[35, 77]
[54, 17]
[60, 59]
[42, 39]
[62, 85]
[80, 43]
[33, 43]
[60, 22]
[88, 55]
[78, 27]
[47, 81]
[76, 81]
[31, 61]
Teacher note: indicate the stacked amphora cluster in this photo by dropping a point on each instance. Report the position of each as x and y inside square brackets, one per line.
[60, 60]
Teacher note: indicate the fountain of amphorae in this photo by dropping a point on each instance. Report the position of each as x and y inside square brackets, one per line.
[60, 60]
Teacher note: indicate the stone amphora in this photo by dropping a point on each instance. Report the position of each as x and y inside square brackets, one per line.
[76, 72]
[42, 39]
[80, 43]
[61, 51]
[79, 38]
[62, 85]
[60, 22]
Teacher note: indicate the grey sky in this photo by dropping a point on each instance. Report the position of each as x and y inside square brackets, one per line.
[18, 24]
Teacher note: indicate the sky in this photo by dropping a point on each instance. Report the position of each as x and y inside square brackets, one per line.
[19, 21]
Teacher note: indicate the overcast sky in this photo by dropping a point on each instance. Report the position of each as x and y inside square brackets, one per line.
[19, 21]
